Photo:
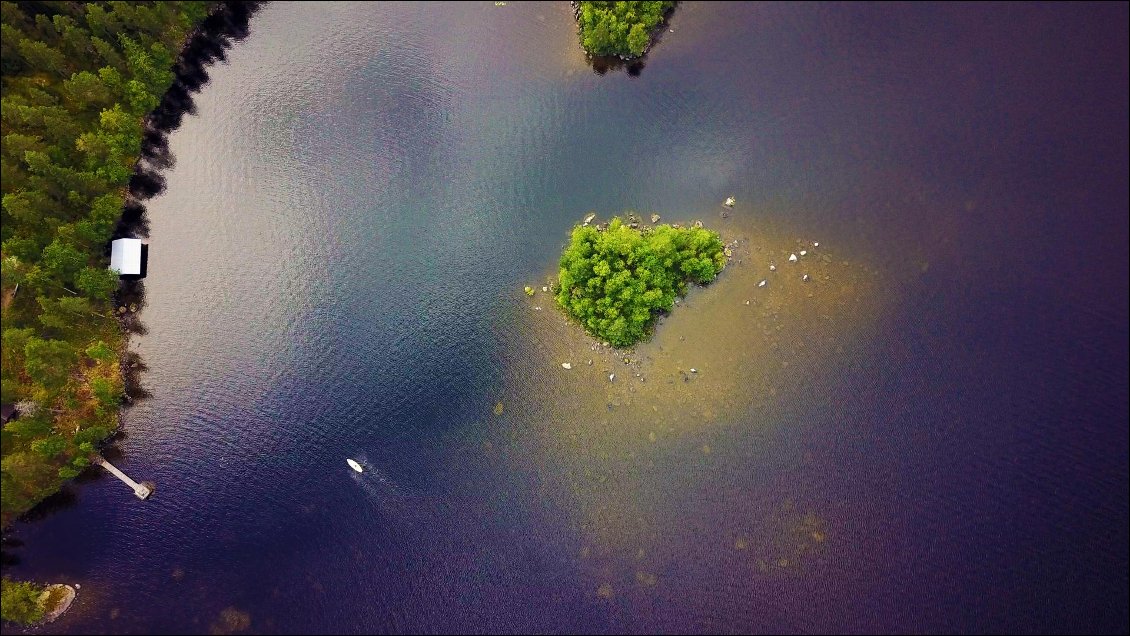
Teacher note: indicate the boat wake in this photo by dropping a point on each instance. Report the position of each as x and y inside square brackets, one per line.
[393, 502]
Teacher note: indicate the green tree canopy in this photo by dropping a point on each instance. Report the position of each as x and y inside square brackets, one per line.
[97, 283]
[19, 601]
[48, 362]
[616, 281]
[50, 447]
[619, 28]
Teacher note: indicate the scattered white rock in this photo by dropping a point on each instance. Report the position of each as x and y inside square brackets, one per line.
[612, 377]
[730, 201]
[762, 284]
[545, 288]
[747, 302]
[566, 366]
[792, 258]
[772, 267]
[698, 224]
[655, 218]
[804, 252]
[816, 244]
[805, 278]
[589, 218]
[694, 370]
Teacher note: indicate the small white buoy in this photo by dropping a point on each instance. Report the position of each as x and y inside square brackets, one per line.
[612, 377]
[802, 253]
[566, 366]
[805, 278]
[792, 258]
[762, 283]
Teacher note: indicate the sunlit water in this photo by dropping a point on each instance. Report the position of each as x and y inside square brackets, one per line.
[928, 435]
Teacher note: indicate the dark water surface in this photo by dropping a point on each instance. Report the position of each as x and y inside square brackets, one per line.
[930, 436]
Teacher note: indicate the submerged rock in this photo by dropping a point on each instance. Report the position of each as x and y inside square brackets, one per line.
[655, 218]
[646, 578]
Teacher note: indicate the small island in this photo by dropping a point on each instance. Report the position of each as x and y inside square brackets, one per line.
[622, 29]
[26, 603]
[615, 280]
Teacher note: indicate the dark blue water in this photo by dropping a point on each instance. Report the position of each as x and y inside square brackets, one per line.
[335, 271]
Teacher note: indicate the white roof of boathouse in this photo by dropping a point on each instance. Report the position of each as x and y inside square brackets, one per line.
[125, 256]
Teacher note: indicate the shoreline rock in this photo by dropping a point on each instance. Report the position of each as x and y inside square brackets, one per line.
[69, 594]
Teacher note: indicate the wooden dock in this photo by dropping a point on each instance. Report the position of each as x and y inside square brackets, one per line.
[141, 490]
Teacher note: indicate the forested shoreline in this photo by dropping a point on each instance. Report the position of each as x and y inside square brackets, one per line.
[89, 92]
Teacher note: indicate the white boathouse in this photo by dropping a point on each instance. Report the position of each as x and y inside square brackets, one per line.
[127, 258]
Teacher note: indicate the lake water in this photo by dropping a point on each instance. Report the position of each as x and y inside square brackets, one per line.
[930, 435]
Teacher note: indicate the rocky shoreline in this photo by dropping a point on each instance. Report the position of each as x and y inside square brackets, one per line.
[69, 595]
